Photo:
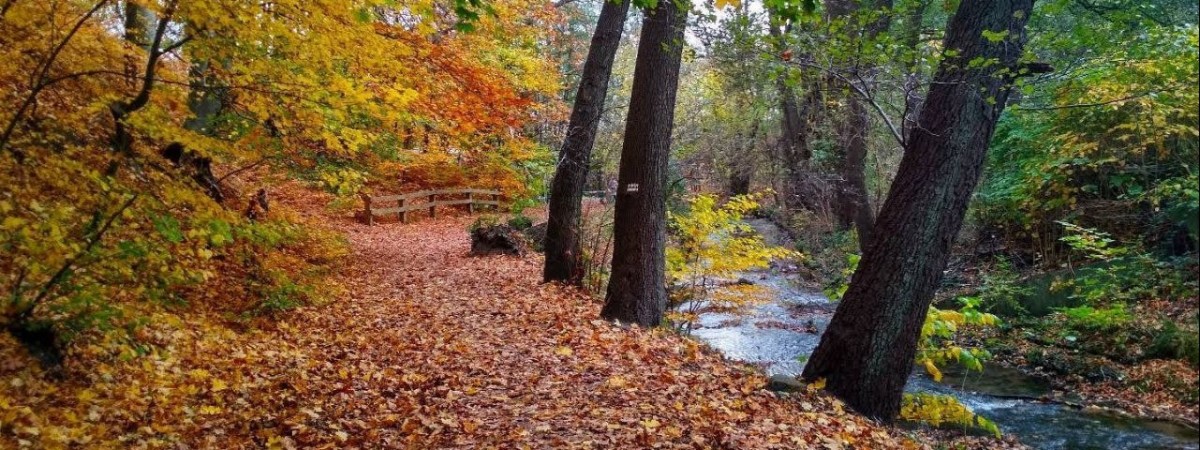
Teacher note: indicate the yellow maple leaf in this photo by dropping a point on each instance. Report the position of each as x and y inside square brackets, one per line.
[721, 4]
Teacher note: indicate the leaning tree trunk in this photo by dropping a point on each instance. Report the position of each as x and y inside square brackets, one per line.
[866, 354]
[564, 258]
[636, 287]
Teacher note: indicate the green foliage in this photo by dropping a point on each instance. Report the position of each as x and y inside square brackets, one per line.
[518, 206]
[1103, 140]
[343, 182]
[1002, 291]
[837, 287]
[484, 221]
[1119, 273]
[1103, 319]
[938, 410]
[281, 293]
[520, 222]
[1175, 342]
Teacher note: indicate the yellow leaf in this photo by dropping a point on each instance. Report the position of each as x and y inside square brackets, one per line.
[615, 382]
[564, 351]
[933, 370]
[818, 385]
[218, 385]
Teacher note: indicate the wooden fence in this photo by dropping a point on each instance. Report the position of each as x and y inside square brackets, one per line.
[402, 204]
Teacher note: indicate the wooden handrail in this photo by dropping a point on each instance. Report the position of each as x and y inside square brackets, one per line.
[426, 193]
[404, 204]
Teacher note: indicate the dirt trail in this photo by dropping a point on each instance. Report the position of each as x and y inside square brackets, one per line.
[428, 348]
[483, 354]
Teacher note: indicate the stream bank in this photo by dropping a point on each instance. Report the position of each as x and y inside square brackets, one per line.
[779, 335]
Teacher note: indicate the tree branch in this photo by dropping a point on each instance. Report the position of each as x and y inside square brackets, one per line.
[43, 71]
[66, 267]
[1085, 105]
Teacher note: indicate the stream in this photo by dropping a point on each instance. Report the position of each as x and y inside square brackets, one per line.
[779, 335]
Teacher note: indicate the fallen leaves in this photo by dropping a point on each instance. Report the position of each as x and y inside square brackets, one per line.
[430, 349]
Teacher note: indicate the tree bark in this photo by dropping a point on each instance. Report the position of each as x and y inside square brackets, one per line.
[564, 258]
[636, 287]
[867, 352]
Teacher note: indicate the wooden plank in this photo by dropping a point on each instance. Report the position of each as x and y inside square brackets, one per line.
[428, 192]
[480, 191]
[420, 206]
[398, 197]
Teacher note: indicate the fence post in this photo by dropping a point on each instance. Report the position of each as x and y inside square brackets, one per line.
[403, 213]
[496, 198]
[470, 203]
[368, 216]
[432, 207]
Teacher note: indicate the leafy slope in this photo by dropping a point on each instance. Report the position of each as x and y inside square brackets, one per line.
[428, 348]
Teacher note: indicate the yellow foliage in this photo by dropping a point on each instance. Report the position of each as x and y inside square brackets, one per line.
[710, 247]
[938, 410]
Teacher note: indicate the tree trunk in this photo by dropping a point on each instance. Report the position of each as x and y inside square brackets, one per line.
[867, 352]
[636, 287]
[912, 95]
[793, 142]
[139, 25]
[854, 127]
[853, 205]
[564, 258]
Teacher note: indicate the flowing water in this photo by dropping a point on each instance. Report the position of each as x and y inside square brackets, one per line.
[779, 336]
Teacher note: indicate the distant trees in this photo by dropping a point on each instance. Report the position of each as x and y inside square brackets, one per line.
[636, 290]
[853, 127]
[563, 252]
[866, 354]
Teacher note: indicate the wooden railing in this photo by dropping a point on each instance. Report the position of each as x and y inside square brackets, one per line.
[402, 204]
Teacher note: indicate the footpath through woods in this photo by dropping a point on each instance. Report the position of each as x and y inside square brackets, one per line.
[427, 348]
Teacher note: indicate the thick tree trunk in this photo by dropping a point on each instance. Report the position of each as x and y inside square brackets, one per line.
[866, 354]
[636, 289]
[564, 259]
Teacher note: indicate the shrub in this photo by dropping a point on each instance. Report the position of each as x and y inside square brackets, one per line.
[1003, 292]
[1087, 318]
[1175, 342]
[936, 345]
[938, 410]
[520, 222]
[484, 221]
[709, 245]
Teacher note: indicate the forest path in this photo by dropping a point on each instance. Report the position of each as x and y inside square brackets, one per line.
[458, 351]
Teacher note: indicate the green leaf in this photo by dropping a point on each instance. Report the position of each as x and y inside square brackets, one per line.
[168, 227]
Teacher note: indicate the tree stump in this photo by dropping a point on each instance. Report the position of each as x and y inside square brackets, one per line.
[499, 239]
[536, 236]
